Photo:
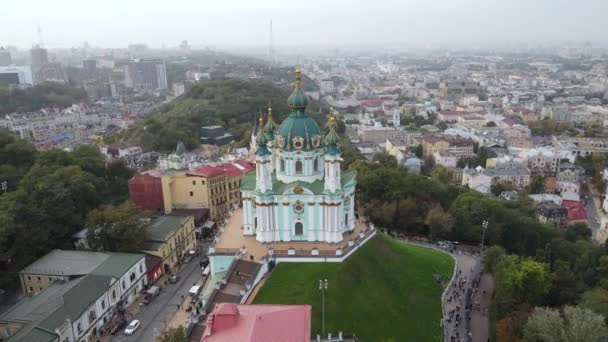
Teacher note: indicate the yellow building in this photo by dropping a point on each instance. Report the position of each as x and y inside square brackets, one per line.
[170, 238]
[216, 187]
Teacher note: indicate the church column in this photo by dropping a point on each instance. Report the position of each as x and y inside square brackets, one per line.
[275, 221]
[286, 223]
[311, 221]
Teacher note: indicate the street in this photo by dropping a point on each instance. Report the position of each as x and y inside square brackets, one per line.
[595, 214]
[158, 313]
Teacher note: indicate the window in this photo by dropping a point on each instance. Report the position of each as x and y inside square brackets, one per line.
[141, 269]
[202, 182]
[191, 193]
[113, 294]
[299, 228]
[29, 278]
[282, 164]
[193, 182]
[316, 166]
[298, 167]
[92, 316]
[103, 304]
[132, 276]
[79, 327]
[123, 285]
[346, 219]
[39, 279]
[31, 289]
[255, 222]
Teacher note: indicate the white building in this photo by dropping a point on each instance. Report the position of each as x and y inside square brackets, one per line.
[19, 75]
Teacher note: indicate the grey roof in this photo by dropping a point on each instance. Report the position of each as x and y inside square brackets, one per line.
[162, 227]
[77, 300]
[34, 334]
[117, 264]
[66, 263]
[33, 310]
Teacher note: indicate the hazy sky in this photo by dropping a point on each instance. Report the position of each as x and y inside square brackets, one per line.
[117, 23]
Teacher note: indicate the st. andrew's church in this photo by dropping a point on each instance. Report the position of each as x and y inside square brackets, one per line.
[298, 191]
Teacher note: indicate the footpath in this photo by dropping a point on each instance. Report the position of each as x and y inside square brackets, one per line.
[467, 298]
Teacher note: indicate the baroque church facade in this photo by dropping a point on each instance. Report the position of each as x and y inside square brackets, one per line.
[298, 191]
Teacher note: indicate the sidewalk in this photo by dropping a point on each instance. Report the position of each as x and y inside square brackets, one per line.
[181, 315]
[480, 320]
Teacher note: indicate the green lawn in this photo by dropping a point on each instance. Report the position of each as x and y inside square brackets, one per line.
[384, 292]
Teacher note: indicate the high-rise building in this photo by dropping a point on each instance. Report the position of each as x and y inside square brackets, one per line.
[89, 66]
[16, 75]
[5, 57]
[39, 57]
[146, 75]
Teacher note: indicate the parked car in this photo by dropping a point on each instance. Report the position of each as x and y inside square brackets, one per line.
[132, 327]
[174, 278]
[150, 294]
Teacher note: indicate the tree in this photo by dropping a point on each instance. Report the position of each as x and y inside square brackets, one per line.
[492, 257]
[597, 300]
[440, 222]
[384, 159]
[418, 150]
[117, 229]
[174, 335]
[572, 325]
[442, 174]
[537, 184]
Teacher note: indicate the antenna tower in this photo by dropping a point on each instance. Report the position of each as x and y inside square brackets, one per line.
[40, 41]
[271, 45]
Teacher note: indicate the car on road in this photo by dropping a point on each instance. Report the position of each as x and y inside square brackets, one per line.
[132, 327]
[174, 278]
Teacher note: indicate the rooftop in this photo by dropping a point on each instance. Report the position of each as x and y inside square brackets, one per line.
[258, 323]
[163, 226]
[67, 263]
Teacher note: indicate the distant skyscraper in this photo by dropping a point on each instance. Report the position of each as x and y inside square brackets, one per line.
[146, 75]
[89, 66]
[39, 57]
[5, 57]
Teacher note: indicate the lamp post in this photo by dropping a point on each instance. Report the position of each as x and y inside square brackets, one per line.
[483, 236]
[323, 287]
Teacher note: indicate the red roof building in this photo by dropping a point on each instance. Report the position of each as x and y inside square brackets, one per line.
[146, 191]
[576, 212]
[231, 322]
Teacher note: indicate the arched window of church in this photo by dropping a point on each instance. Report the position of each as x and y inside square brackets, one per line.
[282, 164]
[299, 228]
[316, 165]
[298, 167]
[346, 219]
[255, 222]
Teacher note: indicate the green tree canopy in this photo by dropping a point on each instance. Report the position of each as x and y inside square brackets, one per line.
[572, 325]
[116, 228]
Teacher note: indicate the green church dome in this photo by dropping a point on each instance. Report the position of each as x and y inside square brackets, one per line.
[297, 100]
[262, 140]
[298, 131]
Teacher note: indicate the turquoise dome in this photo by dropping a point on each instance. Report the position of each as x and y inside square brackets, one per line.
[297, 99]
[299, 132]
[332, 139]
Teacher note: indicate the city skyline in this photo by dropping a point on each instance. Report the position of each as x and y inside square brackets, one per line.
[66, 23]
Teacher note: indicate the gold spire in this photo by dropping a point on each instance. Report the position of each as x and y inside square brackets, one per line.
[269, 109]
[261, 122]
[332, 119]
[298, 78]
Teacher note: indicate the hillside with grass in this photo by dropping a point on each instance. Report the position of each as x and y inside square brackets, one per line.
[386, 291]
[231, 103]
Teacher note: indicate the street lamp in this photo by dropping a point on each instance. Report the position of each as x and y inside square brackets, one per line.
[323, 287]
[483, 236]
